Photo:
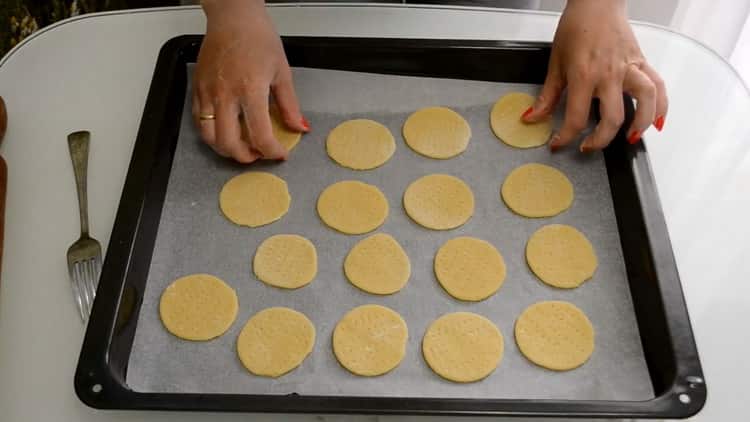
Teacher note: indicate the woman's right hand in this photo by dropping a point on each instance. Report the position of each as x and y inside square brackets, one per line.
[240, 64]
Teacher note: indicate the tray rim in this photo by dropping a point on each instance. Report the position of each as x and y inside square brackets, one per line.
[107, 316]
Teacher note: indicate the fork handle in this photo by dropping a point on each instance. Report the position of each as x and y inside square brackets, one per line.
[78, 143]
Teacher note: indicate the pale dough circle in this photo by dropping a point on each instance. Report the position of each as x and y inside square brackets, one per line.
[378, 264]
[275, 341]
[288, 261]
[198, 307]
[439, 201]
[537, 190]
[561, 256]
[360, 144]
[352, 207]
[462, 347]
[254, 199]
[505, 119]
[286, 137]
[437, 132]
[555, 335]
[469, 268]
[370, 340]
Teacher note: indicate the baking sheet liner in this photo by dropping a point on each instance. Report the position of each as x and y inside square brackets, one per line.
[194, 237]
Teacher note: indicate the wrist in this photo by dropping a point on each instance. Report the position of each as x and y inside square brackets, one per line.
[223, 9]
[599, 5]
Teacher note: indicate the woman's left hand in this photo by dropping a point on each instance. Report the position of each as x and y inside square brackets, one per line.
[595, 55]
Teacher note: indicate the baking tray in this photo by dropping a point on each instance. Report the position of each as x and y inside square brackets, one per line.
[111, 367]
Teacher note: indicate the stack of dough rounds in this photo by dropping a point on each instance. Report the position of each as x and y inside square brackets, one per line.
[286, 137]
[561, 256]
[288, 261]
[536, 190]
[507, 125]
[437, 132]
[462, 347]
[353, 207]
[198, 307]
[469, 268]
[254, 199]
[555, 335]
[360, 144]
[439, 202]
[370, 340]
[378, 264]
[275, 341]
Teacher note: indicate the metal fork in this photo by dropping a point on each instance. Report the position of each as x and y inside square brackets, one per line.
[85, 255]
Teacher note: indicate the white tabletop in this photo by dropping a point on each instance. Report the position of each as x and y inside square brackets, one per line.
[61, 80]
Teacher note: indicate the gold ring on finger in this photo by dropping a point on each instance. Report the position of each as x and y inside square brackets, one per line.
[206, 116]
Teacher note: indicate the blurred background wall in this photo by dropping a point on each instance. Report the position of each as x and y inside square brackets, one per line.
[723, 25]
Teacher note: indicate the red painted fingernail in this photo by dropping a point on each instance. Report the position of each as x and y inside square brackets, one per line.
[634, 137]
[585, 148]
[305, 124]
[659, 123]
[527, 112]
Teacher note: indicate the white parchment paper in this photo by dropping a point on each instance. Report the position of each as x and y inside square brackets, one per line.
[194, 237]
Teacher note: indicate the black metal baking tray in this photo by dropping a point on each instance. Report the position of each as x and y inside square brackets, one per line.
[661, 313]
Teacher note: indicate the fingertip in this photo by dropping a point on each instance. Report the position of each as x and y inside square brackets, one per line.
[526, 113]
[245, 159]
[280, 157]
[252, 155]
[634, 136]
[297, 124]
[586, 146]
[565, 136]
[534, 114]
[275, 151]
[280, 153]
[659, 122]
[292, 118]
[554, 143]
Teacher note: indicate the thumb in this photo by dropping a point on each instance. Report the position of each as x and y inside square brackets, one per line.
[286, 99]
[547, 100]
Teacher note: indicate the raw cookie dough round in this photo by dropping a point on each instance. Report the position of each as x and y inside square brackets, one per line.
[254, 199]
[439, 202]
[275, 341]
[286, 137]
[352, 207]
[505, 119]
[360, 144]
[286, 260]
[469, 268]
[462, 347]
[555, 335]
[537, 190]
[561, 256]
[370, 340]
[378, 264]
[198, 307]
[437, 132]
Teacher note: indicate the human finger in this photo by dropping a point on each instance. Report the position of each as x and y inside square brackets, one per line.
[640, 87]
[580, 91]
[549, 96]
[662, 101]
[258, 123]
[612, 114]
[229, 134]
[286, 100]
